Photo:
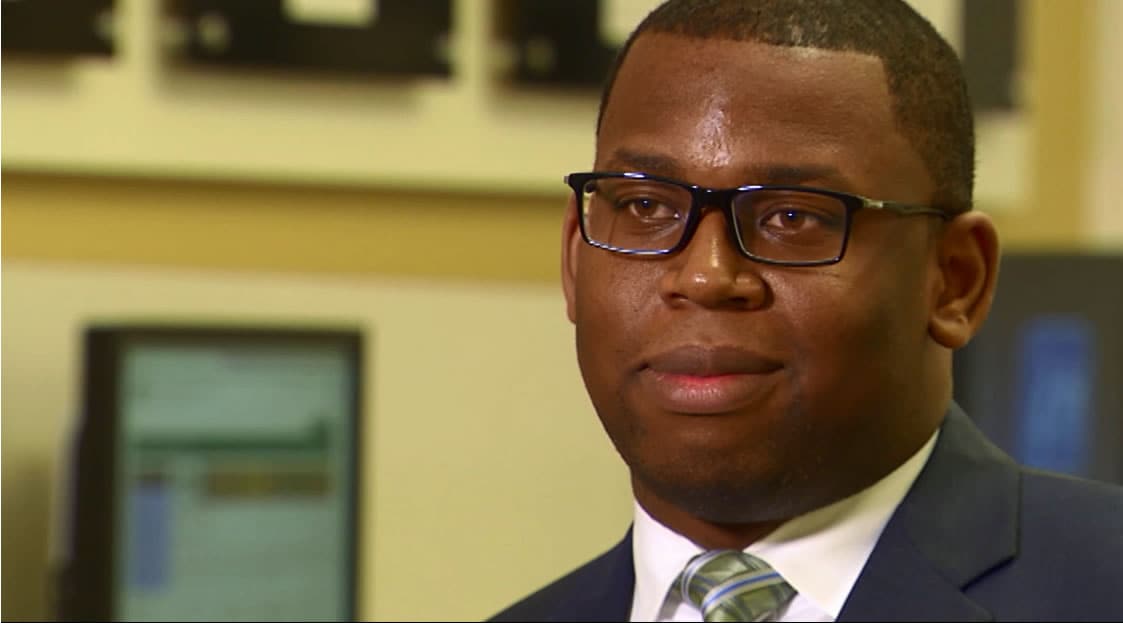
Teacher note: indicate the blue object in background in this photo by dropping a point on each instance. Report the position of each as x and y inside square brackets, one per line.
[150, 547]
[1054, 382]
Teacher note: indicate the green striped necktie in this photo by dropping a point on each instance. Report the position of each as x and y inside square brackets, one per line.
[730, 585]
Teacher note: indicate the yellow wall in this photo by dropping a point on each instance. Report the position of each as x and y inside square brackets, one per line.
[481, 450]
[1104, 182]
[456, 282]
[296, 228]
[471, 359]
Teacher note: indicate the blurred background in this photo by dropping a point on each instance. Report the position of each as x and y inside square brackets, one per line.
[353, 209]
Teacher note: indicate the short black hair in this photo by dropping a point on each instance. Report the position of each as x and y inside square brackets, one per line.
[926, 82]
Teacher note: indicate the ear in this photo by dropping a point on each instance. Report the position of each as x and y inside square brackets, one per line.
[968, 256]
[571, 242]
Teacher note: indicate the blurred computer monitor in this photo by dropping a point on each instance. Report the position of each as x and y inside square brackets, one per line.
[214, 476]
[1043, 376]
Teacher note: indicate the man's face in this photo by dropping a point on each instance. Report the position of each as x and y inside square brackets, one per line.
[738, 391]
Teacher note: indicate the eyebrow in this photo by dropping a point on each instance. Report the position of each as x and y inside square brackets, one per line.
[776, 173]
[644, 162]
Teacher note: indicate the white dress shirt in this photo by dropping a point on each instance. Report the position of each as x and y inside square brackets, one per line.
[820, 553]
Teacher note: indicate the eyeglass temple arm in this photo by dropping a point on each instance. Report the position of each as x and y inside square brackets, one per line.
[903, 208]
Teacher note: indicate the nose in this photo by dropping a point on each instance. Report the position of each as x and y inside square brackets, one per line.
[711, 272]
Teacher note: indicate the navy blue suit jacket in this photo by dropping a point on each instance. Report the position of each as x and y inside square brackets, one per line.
[977, 538]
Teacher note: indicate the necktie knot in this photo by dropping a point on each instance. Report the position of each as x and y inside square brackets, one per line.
[730, 585]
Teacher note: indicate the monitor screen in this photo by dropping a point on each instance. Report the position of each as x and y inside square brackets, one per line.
[1041, 378]
[215, 476]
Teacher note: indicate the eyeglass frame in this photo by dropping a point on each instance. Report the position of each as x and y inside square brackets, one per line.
[722, 198]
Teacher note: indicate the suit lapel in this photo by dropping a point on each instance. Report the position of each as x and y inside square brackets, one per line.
[609, 588]
[959, 520]
[901, 585]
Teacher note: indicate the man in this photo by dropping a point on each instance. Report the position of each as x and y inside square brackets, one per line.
[768, 270]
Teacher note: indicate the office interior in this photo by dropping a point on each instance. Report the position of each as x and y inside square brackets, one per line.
[421, 210]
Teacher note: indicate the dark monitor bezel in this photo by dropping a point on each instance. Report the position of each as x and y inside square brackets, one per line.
[87, 588]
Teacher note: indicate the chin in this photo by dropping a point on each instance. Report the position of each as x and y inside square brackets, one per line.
[741, 496]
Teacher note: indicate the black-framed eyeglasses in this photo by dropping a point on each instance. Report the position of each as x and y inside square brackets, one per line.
[641, 214]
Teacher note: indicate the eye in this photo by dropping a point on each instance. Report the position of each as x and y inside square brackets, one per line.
[791, 218]
[647, 209]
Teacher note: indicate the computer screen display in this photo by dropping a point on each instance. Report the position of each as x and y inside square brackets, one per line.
[1041, 378]
[219, 468]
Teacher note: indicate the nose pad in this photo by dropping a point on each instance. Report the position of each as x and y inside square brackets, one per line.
[712, 272]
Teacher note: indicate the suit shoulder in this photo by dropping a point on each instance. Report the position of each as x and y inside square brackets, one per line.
[1069, 559]
[1048, 493]
[598, 589]
[1077, 518]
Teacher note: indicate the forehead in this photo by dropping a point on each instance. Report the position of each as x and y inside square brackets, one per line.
[724, 109]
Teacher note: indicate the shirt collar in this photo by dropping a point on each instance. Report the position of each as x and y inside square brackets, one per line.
[819, 553]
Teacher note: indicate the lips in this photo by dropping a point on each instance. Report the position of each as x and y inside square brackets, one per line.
[711, 361]
[705, 380]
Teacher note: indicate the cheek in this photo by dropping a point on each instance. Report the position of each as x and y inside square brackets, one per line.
[615, 297]
[846, 341]
[616, 306]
